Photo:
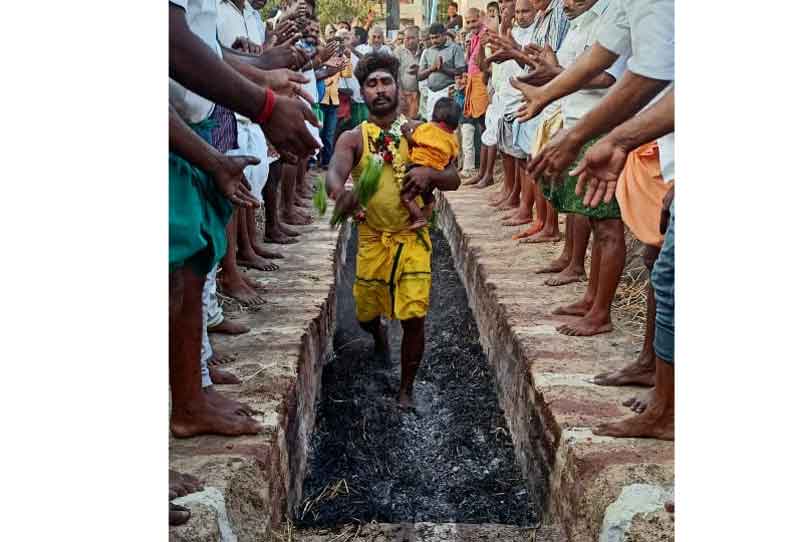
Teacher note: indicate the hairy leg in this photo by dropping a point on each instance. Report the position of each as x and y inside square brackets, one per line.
[609, 235]
[413, 348]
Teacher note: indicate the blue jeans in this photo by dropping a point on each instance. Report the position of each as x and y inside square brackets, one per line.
[663, 281]
[327, 133]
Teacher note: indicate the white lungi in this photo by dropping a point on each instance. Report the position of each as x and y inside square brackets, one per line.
[251, 142]
[494, 112]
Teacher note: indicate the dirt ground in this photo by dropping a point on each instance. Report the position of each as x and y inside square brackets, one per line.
[450, 461]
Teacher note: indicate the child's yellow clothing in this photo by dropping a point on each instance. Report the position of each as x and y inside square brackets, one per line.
[434, 147]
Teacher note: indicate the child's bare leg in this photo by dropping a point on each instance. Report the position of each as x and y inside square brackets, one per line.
[416, 217]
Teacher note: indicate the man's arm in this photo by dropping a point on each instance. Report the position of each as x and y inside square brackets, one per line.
[627, 97]
[603, 163]
[346, 152]
[422, 179]
[653, 123]
[197, 67]
[574, 78]
[226, 172]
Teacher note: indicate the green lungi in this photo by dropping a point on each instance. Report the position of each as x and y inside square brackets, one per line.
[197, 213]
[563, 195]
[358, 114]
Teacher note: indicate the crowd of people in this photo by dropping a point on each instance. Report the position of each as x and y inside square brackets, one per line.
[575, 97]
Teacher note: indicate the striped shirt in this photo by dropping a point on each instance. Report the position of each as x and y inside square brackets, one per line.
[550, 26]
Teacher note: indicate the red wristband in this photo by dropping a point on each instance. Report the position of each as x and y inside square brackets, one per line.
[267, 107]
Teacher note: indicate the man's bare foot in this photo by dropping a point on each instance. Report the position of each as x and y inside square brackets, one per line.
[506, 206]
[640, 402]
[177, 515]
[229, 327]
[406, 401]
[201, 418]
[239, 290]
[280, 239]
[294, 219]
[222, 377]
[657, 421]
[286, 230]
[529, 231]
[217, 400]
[542, 237]
[265, 253]
[640, 373]
[485, 182]
[252, 282]
[517, 220]
[220, 357]
[254, 261]
[580, 308]
[180, 484]
[566, 277]
[555, 266]
[587, 326]
[470, 181]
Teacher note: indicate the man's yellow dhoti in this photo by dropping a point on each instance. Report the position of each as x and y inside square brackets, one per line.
[393, 263]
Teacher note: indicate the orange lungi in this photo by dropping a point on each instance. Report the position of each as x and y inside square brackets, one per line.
[640, 192]
[476, 96]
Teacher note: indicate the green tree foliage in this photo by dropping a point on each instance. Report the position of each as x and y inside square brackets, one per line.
[333, 11]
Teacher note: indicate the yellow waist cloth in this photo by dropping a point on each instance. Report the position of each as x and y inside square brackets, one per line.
[477, 98]
[435, 147]
[393, 274]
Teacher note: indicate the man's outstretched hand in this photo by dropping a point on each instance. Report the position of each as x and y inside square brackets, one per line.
[555, 157]
[286, 129]
[286, 82]
[230, 180]
[534, 101]
[598, 172]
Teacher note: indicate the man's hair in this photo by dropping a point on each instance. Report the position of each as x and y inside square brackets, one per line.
[360, 34]
[436, 29]
[374, 62]
[453, 4]
[447, 111]
[377, 30]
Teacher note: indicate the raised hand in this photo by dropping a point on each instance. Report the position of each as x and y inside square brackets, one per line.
[247, 46]
[598, 172]
[286, 130]
[534, 101]
[230, 180]
[286, 82]
[555, 157]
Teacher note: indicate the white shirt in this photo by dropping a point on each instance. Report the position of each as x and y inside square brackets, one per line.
[580, 37]
[644, 30]
[508, 95]
[232, 24]
[201, 16]
[366, 48]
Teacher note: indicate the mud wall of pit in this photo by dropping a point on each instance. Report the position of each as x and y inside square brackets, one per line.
[300, 416]
[533, 446]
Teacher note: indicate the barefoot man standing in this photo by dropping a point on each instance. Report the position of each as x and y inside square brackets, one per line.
[393, 263]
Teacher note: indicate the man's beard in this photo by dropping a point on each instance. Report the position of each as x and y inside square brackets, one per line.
[380, 107]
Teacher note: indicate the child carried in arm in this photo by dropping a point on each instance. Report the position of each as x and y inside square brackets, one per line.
[431, 144]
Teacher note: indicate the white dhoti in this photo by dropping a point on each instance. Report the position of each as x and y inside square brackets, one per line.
[432, 97]
[251, 142]
[494, 112]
